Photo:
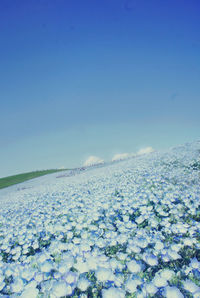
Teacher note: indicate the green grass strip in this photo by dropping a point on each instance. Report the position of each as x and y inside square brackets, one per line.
[11, 180]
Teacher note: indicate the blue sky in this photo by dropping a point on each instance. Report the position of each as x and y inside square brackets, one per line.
[80, 78]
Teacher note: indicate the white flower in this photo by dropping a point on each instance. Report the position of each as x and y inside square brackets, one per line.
[173, 254]
[8, 272]
[114, 263]
[104, 274]
[139, 219]
[2, 285]
[113, 293]
[151, 289]
[196, 294]
[70, 277]
[167, 274]
[46, 267]
[85, 247]
[39, 277]
[119, 280]
[176, 247]
[69, 235]
[121, 256]
[76, 240]
[68, 261]
[35, 245]
[32, 284]
[17, 286]
[141, 294]
[60, 289]
[188, 241]
[173, 292]
[131, 285]
[28, 274]
[165, 257]
[159, 281]
[142, 242]
[125, 218]
[83, 284]
[81, 266]
[30, 292]
[150, 259]
[134, 248]
[190, 286]
[195, 264]
[92, 263]
[83, 296]
[42, 258]
[133, 266]
[159, 245]
[62, 268]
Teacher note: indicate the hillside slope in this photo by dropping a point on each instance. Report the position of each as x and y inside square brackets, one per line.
[129, 229]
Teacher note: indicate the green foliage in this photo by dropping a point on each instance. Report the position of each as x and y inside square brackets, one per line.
[194, 279]
[133, 295]
[11, 180]
[196, 165]
[143, 225]
[134, 215]
[91, 276]
[112, 250]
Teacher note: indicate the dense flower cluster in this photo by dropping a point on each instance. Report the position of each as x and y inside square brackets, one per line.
[129, 229]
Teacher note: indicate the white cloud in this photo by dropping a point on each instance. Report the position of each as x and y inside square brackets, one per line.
[93, 160]
[145, 150]
[120, 156]
[61, 168]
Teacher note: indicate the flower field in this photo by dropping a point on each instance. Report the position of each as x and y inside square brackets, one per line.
[126, 229]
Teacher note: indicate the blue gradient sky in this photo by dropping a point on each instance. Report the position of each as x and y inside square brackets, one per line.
[80, 78]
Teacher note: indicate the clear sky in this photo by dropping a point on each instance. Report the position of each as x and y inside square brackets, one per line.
[96, 77]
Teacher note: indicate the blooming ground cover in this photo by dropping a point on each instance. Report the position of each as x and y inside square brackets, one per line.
[128, 229]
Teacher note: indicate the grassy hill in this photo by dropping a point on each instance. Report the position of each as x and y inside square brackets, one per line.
[11, 180]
